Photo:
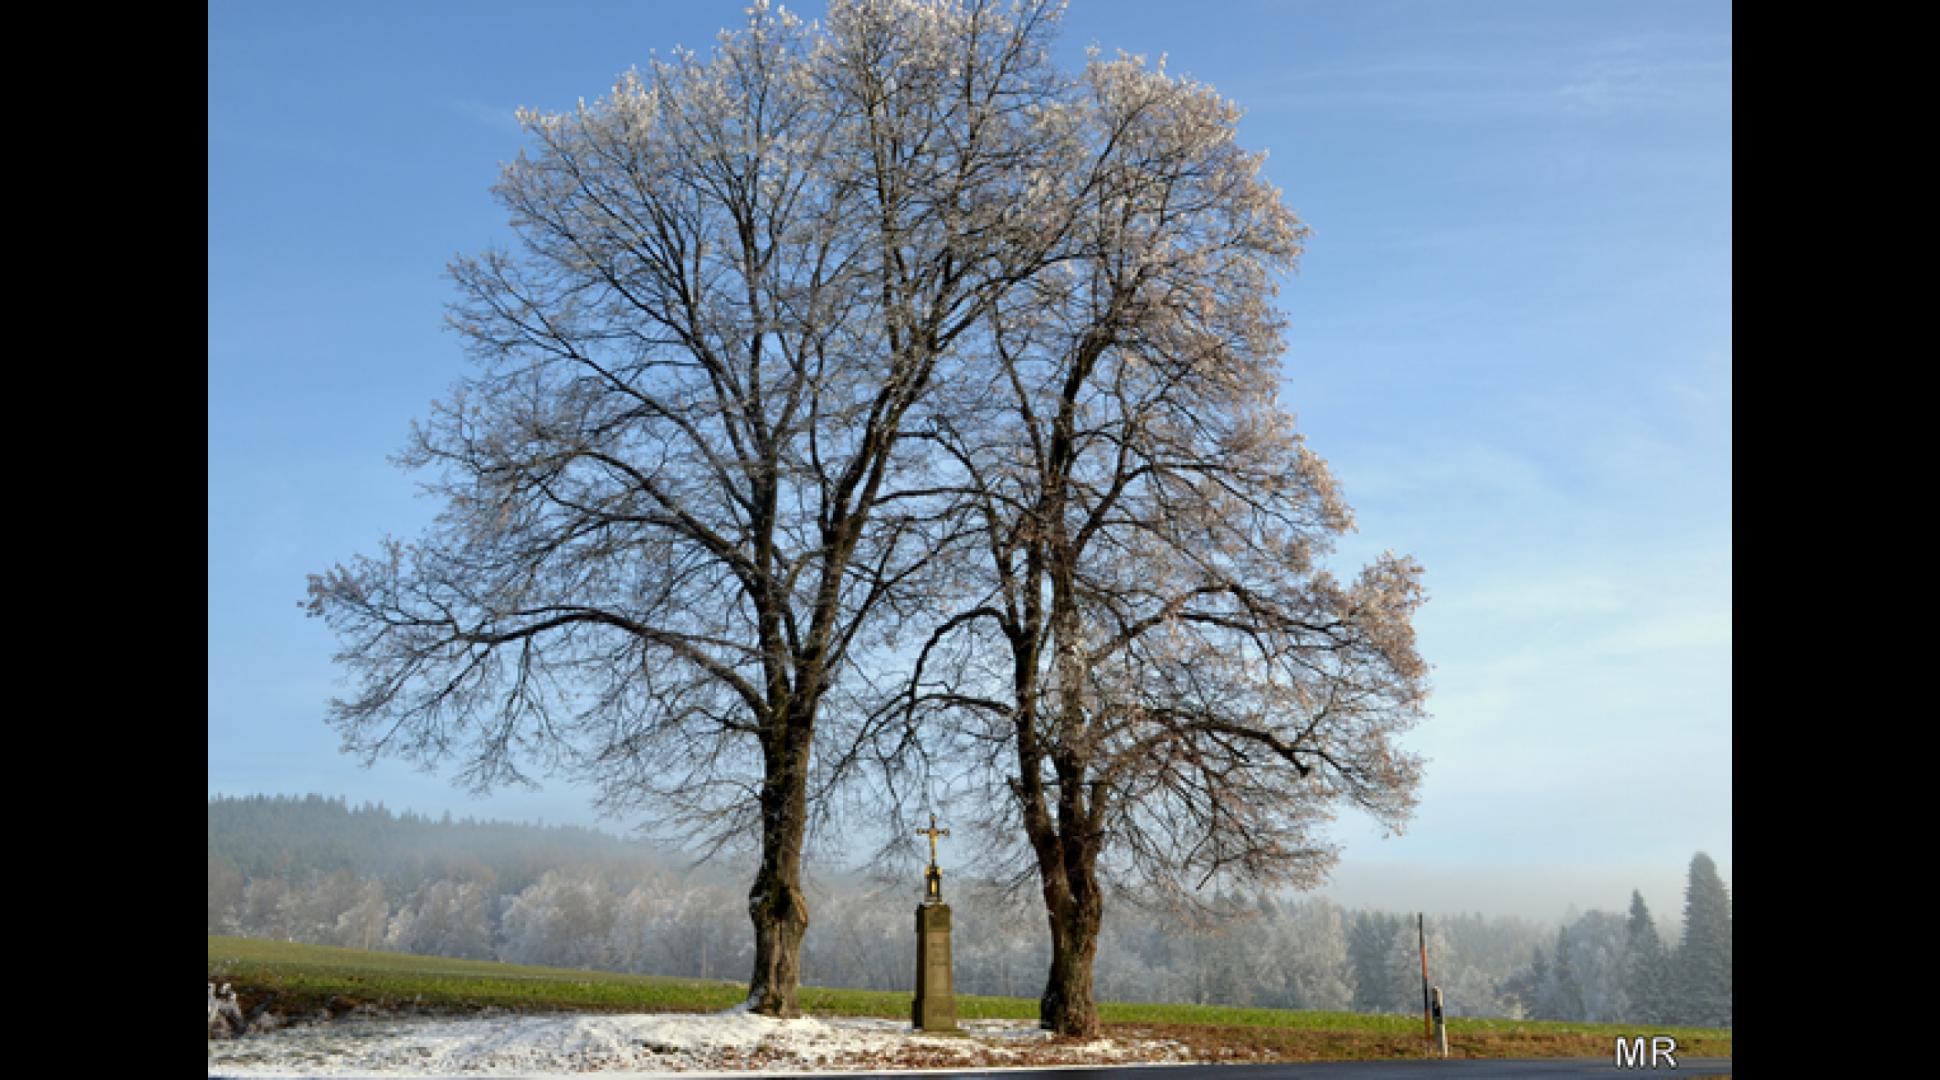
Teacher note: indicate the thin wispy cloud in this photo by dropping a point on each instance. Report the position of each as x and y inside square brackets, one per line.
[1627, 85]
[1614, 78]
[501, 119]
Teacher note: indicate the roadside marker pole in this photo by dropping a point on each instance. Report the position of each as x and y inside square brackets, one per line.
[1441, 1026]
[1427, 1018]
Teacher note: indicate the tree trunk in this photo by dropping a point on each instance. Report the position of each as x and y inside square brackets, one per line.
[780, 915]
[1067, 1006]
[776, 903]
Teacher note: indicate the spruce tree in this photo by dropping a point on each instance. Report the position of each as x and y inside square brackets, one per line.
[1566, 996]
[1367, 957]
[1527, 988]
[1646, 969]
[1703, 966]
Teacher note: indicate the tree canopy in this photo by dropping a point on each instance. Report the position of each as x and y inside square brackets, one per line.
[1147, 675]
[876, 331]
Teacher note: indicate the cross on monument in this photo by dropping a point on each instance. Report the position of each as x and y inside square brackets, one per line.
[933, 877]
[935, 1007]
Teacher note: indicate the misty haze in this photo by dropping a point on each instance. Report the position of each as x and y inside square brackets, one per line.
[316, 870]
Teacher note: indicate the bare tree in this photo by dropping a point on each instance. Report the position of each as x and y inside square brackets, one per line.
[1151, 677]
[674, 508]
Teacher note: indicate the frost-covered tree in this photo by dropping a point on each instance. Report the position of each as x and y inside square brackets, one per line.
[1153, 683]
[1134, 960]
[1565, 991]
[1226, 965]
[1702, 968]
[637, 932]
[1484, 954]
[338, 908]
[1597, 950]
[1646, 967]
[225, 895]
[1471, 991]
[675, 494]
[1530, 988]
[564, 919]
[1368, 944]
[1579, 980]
[445, 918]
[1308, 947]
[1001, 946]
[1404, 963]
[362, 924]
[867, 943]
[272, 909]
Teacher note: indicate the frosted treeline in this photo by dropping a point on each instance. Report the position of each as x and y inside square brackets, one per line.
[1290, 953]
[612, 906]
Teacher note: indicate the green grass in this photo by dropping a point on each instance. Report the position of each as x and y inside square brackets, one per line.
[305, 978]
[1379, 1023]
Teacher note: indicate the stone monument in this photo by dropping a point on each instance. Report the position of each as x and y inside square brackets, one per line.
[936, 1002]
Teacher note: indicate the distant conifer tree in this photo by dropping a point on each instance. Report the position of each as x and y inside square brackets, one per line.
[1566, 994]
[1646, 970]
[1526, 987]
[1367, 957]
[1703, 965]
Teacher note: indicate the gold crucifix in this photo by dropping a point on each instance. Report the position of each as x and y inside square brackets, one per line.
[933, 877]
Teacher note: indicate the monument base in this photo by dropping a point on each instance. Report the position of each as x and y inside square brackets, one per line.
[935, 1010]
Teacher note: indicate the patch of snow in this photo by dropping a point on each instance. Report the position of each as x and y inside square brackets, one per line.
[644, 1045]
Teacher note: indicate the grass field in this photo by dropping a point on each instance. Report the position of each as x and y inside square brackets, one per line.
[303, 979]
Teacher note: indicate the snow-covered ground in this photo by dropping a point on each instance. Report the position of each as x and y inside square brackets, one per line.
[647, 1045]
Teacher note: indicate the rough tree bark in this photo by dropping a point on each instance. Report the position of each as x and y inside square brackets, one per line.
[776, 903]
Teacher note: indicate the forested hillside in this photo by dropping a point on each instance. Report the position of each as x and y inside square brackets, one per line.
[317, 870]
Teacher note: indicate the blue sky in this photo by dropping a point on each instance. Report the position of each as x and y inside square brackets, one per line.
[1510, 336]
